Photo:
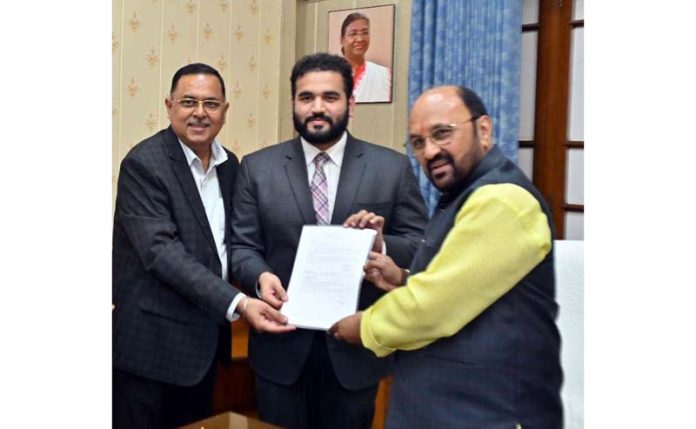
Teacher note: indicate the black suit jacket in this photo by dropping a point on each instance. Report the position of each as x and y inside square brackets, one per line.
[170, 298]
[273, 202]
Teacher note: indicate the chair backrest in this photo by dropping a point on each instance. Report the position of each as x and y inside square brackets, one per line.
[569, 265]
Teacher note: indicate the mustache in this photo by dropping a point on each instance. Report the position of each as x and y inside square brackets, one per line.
[442, 156]
[318, 116]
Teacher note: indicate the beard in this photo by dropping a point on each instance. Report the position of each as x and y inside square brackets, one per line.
[448, 182]
[329, 135]
[440, 181]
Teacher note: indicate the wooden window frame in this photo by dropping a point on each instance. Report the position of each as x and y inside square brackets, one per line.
[552, 107]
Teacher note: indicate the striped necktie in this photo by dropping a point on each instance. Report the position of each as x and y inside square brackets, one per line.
[319, 187]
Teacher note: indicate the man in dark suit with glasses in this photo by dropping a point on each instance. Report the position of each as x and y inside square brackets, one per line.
[173, 300]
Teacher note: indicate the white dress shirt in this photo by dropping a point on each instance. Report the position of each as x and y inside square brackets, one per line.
[209, 189]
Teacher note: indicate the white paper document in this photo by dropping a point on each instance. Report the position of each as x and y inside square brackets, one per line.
[325, 281]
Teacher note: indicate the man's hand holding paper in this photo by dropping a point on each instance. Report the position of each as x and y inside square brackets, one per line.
[271, 289]
[364, 219]
[381, 271]
[348, 329]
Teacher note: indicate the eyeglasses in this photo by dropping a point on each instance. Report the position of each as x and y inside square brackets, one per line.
[210, 106]
[440, 135]
[354, 34]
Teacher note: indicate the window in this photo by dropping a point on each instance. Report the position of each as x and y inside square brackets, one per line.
[551, 137]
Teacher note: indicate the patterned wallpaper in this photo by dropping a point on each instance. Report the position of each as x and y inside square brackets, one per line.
[254, 44]
[241, 38]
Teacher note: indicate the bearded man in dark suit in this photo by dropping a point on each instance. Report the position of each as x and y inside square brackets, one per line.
[306, 379]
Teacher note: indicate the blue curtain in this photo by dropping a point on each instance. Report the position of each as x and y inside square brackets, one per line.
[474, 43]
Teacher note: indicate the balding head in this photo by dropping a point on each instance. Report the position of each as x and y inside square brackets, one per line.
[447, 137]
[469, 98]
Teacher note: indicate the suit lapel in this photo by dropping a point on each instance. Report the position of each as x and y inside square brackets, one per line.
[349, 181]
[183, 175]
[296, 171]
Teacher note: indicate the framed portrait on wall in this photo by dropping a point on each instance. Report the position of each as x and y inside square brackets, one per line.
[365, 37]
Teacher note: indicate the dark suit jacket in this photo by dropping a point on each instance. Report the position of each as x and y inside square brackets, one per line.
[170, 298]
[272, 203]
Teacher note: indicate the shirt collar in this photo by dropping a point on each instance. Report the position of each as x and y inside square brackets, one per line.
[217, 154]
[335, 152]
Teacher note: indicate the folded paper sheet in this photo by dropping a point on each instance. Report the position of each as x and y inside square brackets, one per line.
[325, 282]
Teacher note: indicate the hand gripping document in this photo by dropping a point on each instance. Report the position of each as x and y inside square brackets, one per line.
[325, 281]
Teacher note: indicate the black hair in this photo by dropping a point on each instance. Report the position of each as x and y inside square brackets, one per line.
[472, 102]
[196, 68]
[323, 62]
